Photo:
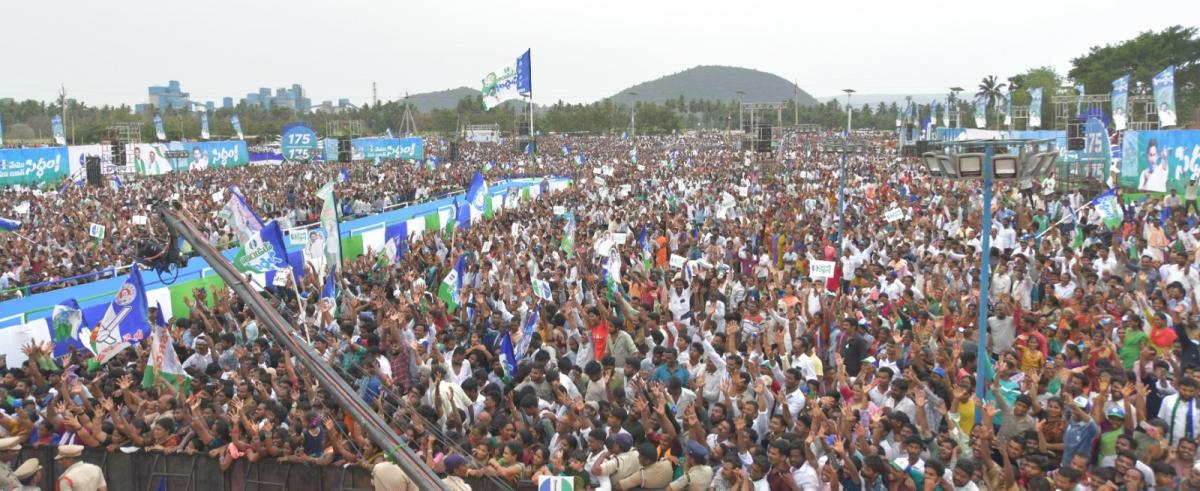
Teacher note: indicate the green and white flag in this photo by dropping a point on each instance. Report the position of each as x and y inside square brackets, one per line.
[164, 362]
[329, 225]
[448, 291]
[568, 241]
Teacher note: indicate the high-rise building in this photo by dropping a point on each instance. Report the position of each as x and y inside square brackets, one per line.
[292, 98]
[227, 103]
[162, 97]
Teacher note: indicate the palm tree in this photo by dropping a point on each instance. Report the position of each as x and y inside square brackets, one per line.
[992, 89]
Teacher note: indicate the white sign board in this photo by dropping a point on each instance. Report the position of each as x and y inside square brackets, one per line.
[96, 230]
[620, 238]
[281, 276]
[820, 269]
[677, 261]
[139, 219]
[560, 210]
[894, 214]
[297, 236]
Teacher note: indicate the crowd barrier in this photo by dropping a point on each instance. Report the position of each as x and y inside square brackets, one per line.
[150, 471]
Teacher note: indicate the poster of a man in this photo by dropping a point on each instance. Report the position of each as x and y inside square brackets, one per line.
[1154, 178]
[199, 159]
[1166, 115]
[314, 251]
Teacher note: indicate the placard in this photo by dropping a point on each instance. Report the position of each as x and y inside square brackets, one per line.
[96, 230]
[820, 269]
[297, 236]
[281, 276]
[600, 181]
[560, 210]
[677, 261]
[597, 171]
[218, 196]
[893, 214]
[139, 219]
[620, 238]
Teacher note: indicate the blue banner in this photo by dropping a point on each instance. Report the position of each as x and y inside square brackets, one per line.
[385, 148]
[159, 132]
[237, 126]
[204, 126]
[29, 166]
[60, 133]
[1120, 102]
[299, 142]
[1164, 96]
[1159, 161]
[1035, 109]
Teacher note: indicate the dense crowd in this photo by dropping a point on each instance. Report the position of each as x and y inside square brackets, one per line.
[706, 355]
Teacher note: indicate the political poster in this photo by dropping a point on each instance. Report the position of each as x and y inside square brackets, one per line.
[148, 158]
[981, 112]
[386, 148]
[1159, 161]
[237, 126]
[1164, 96]
[298, 142]
[204, 126]
[1120, 102]
[30, 166]
[60, 133]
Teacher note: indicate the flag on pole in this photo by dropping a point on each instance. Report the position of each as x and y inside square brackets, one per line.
[568, 240]
[124, 322]
[508, 82]
[204, 126]
[262, 249]
[159, 132]
[60, 133]
[9, 225]
[509, 358]
[328, 301]
[329, 224]
[448, 291]
[527, 333]
[1108, 208]
[65, 323]
[237, 126]
[164, 362]
[479, 202]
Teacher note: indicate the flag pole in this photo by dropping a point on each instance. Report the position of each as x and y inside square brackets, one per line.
[1064, 219]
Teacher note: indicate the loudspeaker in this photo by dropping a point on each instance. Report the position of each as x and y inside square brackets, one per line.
[764, 131]
[1075, 134]
[922, 147]
[118, 154]
[453, 151]
[523, 128]
[93, 170]
[344, 150]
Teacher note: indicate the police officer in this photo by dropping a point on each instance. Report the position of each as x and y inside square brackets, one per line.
[9, 447]
[79, 475]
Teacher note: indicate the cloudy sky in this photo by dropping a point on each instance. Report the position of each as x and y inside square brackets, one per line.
[108, 52]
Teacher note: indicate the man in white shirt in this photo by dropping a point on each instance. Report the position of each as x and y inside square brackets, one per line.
[1181, 412]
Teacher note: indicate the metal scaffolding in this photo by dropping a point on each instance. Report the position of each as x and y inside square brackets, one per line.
[344, 128]
[763, 132]
[125, 132]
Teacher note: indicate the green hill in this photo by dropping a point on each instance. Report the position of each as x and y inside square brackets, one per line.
[716, 83]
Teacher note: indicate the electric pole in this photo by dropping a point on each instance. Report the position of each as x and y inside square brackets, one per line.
[62, 104]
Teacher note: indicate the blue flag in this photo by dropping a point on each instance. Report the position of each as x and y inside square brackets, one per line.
[124, 322]
[1164, 216]
[395, 244]
[237, 126]
[527, 333]
[507, 356]
[9, 225]
[579, 159]
[65, 324]
[345, 174]
[328, 301]
[528, 149]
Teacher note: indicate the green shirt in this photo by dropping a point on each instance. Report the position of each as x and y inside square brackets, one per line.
[1132, 347]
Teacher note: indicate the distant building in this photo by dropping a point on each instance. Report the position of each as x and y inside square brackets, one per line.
[169, 96]
[292, 98]
[227, 103]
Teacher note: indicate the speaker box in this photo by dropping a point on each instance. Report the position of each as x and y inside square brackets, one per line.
[344, 150]
[118, 154]
[523, 128]
[1075, 134]
[453, 151]
[922, 147]
[92, 164]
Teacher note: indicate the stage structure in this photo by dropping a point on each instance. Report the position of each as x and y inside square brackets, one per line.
[344, 128]
[481, 133]
[762, 123]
